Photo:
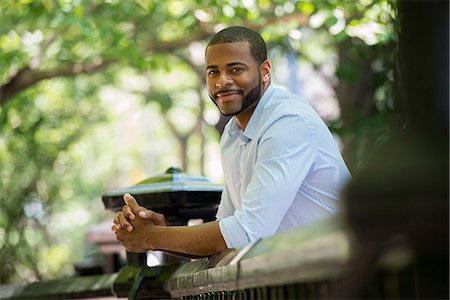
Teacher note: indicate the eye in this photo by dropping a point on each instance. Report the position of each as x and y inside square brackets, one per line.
[236, 70]
[212, 73]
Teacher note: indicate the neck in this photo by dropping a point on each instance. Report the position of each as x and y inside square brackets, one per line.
[243, 118]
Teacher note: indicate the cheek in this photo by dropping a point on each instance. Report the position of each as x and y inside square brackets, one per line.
[249, 85]
[248, 82]
[209, 86]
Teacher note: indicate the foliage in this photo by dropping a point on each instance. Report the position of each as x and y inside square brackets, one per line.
[357, 41]
[40, 175]
[60, 57]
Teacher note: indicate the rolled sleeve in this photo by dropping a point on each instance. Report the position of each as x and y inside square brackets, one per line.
[233, 232]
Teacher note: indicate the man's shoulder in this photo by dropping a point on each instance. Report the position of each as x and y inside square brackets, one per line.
[283, 102]
[282, 92]
[288, 111]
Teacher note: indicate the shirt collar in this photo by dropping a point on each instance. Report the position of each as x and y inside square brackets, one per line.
[252, 124]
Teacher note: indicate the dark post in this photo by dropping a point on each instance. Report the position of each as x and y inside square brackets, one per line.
[400, 198]
[179, 197]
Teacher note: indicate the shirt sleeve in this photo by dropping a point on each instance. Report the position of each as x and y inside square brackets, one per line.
[286, 153]
[226, 207]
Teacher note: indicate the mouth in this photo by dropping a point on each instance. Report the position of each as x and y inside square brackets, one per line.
[227, 95]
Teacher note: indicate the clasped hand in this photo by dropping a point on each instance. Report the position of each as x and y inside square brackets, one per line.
[133, 225]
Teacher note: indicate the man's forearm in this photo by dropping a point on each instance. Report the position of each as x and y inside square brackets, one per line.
[198, 241]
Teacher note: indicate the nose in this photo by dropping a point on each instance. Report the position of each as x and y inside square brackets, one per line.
[224, 80]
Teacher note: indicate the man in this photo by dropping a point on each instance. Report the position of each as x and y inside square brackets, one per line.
[281, 166]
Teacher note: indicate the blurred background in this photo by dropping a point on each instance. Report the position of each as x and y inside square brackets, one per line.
[100, 94]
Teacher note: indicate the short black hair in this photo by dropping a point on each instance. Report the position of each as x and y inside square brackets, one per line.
[236, 34]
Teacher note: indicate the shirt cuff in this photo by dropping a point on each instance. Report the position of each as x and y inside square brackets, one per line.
[233, 233]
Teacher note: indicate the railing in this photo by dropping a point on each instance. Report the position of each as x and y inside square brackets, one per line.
[313, 254]
[316, 262]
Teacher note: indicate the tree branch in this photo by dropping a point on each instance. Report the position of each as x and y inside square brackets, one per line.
[26, 77]
[29, 75]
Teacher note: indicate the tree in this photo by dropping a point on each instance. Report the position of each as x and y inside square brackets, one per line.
[60, 54]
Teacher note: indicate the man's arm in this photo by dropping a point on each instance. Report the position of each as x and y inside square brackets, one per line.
[142, 235]
[201, 240]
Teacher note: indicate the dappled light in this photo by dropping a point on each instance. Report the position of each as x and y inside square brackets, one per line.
[99, 95]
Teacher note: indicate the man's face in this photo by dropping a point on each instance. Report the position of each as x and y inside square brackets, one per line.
[233, 78]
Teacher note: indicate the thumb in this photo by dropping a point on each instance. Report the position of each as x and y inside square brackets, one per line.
[132, 203]
[146, 214]
[150, 215]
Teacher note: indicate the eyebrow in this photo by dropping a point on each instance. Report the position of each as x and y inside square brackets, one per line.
[233, 64]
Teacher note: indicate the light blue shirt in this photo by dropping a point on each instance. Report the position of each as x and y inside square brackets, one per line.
[283, 171]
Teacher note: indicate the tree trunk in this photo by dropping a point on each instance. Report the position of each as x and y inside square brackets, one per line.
[355, 93]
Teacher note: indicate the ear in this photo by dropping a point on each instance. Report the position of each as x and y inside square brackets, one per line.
[265, 71]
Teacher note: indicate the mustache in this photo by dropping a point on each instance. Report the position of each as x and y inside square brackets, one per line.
[215, 95]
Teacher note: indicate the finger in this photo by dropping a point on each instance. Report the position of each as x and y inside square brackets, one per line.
[157, 218]
[114, 229]
[117, 222]
[132, 203]
[160, 219]
[128, 212]
[124, 222]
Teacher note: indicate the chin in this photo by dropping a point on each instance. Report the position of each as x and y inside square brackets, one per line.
[229, 110]
[227, 113]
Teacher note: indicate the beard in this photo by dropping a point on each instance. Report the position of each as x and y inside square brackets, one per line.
[251, 98]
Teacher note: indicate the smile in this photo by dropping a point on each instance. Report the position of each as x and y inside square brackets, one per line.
[227, 96]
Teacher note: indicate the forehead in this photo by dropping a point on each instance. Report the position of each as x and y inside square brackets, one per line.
[226, 53]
